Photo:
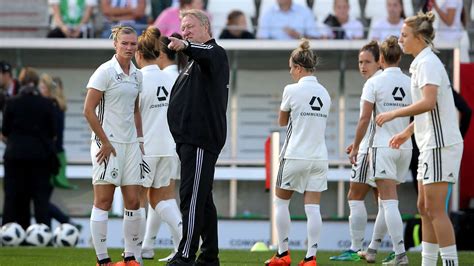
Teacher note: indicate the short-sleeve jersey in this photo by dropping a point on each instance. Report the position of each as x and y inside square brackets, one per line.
[116, 108]
[154, 101]
[308, 103]
[439, 127]
[388, 91]
[369, 135]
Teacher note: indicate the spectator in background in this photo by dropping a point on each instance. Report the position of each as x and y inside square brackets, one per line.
[51, 88]
[28, 128]
[450, 25]
[123, 12]
[286, 21]
[9, 86]
[71, 17]
[169, 22]
[341, 25]
[391, 25]
[236, 27]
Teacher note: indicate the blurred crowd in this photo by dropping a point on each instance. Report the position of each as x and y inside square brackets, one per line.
[262, 19]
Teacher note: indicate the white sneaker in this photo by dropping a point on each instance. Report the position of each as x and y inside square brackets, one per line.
[170, 256]
[368, 255]
[148, 254]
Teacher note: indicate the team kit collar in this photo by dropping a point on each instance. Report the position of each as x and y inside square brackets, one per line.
[119, 70]
[392, 69]
[150, 68]
[308, 78]
[419, 57]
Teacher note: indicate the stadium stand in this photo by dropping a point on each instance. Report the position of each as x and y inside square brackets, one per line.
[27, 18]
[220, 9]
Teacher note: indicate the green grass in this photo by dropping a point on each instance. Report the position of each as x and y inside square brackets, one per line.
[79, 256]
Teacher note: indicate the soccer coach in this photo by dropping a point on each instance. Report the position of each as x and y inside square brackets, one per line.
[197, 120]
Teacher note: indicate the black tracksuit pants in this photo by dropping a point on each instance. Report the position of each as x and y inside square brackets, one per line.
[197, 205]
[26, 181]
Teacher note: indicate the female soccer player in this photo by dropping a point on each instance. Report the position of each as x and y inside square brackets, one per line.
[169, 60]
[112, 111]
[386, 92]
[436, 133]
[304, 160]
[360, 183]
[161, 157]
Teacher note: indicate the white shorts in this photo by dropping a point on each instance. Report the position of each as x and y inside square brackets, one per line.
[303, 175]
[388, 163]
[361, 171]
[162, 170]
[127, 168]
[440, 164]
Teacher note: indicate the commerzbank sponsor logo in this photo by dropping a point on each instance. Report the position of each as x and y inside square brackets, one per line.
[316, 104]
[398, 95]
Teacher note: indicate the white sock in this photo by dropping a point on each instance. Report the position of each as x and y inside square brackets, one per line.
[394, 225]
[170, 213]
[429, 253]
[380, 228]
[449, 255]
[142, 225]
[357, 223]
[282, 223]
[153, 222]
[314, 225]
[99, 219]
[131, 233]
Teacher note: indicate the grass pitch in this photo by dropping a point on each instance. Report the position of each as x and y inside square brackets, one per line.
[80, 256]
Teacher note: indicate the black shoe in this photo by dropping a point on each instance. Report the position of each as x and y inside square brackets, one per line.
[180, 261]
[200, 262]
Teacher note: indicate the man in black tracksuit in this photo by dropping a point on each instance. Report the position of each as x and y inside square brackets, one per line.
[197, 120]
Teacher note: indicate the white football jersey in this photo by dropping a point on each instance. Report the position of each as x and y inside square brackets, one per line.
[308, 103]
[388, 91]
[154, 101]
[172, 71]
[439, 127]
[369, 135]
[116, 108]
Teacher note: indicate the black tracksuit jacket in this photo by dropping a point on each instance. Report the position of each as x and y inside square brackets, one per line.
[198, 101]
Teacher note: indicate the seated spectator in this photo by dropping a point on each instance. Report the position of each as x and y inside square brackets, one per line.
[236, 27]
[286, 21]
[70, 18]
[391, 25]
[341, 25]
[123, 12]
[450, 24]
[169, 22]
